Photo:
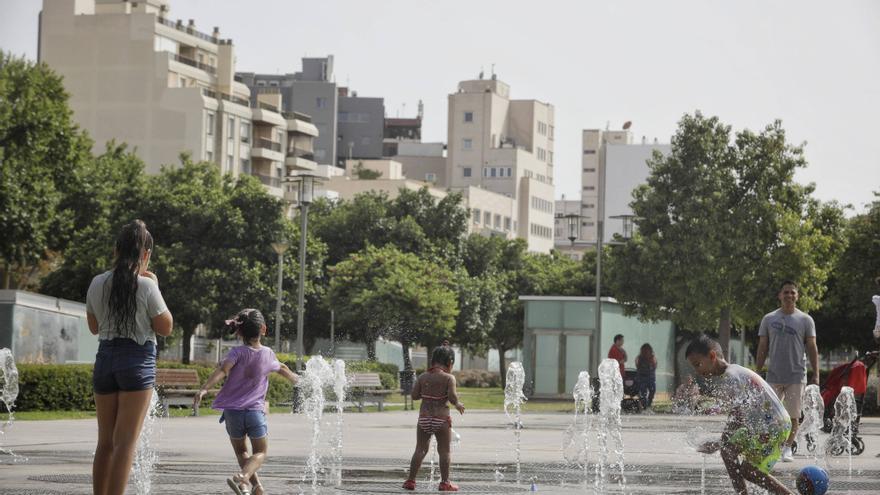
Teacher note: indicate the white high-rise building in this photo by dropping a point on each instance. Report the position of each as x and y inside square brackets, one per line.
[504, 146]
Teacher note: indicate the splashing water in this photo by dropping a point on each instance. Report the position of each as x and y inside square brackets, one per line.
[813, 411]
[575, 443]
[610, 397]
[432, 446]
[340, 384]
[696, 438]
[513, 399]
[844, 420]
[8, 394]
[318, 374]
[147, 455]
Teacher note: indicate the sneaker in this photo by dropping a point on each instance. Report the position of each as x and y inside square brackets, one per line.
[409, 485]
[786, 454]
[446, 486]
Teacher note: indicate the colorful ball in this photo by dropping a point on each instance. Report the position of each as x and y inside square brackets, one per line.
[812, 480]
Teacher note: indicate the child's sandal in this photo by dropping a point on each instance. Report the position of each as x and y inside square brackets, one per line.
[238, 485]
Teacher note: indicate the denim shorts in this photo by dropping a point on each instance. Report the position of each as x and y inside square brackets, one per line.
[241, 422]
[123, 365]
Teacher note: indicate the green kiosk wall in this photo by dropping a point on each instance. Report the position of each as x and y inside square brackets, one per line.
[559, 333]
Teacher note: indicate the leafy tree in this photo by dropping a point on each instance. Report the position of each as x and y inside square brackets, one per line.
[847, 315]
[383, 292]
[721, 223]
[41, 151]
[364, 173]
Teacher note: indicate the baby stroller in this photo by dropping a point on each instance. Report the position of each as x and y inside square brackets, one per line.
[631, 401]
[853, 374]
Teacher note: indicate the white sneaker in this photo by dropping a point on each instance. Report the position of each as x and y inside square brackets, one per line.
[786, 454]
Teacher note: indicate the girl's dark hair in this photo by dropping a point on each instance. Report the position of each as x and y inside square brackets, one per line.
[443, 355]
[646, 347]
[701, 346]
[132, 242]
[248, 322]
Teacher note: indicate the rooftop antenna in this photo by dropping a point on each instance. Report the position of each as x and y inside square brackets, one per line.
[607, 125]
[493, 72]
[421, 110]
[404, 109]
[481, 72]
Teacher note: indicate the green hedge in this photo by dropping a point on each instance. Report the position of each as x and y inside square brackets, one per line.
[68, 387]
[65, 387]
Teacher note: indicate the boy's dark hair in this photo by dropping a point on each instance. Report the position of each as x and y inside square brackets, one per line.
[788, 282]
[443, 355]
[702, 345]
[618, 337]
[248, 322]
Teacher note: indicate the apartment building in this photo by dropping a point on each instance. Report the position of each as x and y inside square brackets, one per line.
[165, 87]
[504, 146]
[349, 126]
[612, 167]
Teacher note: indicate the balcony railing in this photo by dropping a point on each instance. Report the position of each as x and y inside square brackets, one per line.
[268, 144]
[223, 96]
[297, 116]
[267, 106]
[188, 30]
[301, 153]
[193, 63]
[268, 180]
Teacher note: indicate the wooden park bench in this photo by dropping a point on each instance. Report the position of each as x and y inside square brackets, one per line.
[178, 387]
[366, 387]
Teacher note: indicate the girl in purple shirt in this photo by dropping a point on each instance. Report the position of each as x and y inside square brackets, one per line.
[243, 397]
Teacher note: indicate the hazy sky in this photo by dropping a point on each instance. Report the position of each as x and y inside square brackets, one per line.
[813, 64]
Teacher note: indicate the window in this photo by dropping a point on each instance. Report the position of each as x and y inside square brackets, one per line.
[469, 116]
[245, 132]
[506, 223]
[320, 102]
[589, 188]
[509, 171]
[497, 221]
[320, 154]
[588, 205]
[261, 83]
[230, 128]
[590, 169]
[201, 58]
[245, 166]
[209, 123]
[476, 215]
[492, 171]
[279, 136]
[466, 172]
[181, 81]
[589, 152]
[550, 157]
[487, 218]
[467, 143]
[551, 132]
[274, 84]
[209, 156]
[431, 177]
[485, 171]
[230, 163]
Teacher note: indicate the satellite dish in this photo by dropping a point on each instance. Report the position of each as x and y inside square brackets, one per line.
[627, 124]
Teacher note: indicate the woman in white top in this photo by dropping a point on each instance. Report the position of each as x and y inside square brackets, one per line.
[125, 309]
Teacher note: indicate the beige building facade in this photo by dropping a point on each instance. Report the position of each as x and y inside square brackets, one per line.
[504, 146]
[164, 87]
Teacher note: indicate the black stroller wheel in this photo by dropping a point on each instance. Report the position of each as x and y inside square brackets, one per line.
[858, 446]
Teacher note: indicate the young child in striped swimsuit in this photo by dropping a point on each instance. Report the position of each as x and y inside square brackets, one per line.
[436, 388]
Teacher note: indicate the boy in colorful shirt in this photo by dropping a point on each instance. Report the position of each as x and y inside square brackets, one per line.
[757, 424]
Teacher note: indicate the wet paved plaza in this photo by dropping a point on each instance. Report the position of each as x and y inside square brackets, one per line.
[194, 457]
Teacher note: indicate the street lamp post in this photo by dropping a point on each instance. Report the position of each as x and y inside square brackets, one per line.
[306, 193]
[280, 248]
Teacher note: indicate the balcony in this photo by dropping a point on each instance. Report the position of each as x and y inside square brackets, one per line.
[301, 159]
[264, 112]
[267, 149]
[192, 63]
[273, 184]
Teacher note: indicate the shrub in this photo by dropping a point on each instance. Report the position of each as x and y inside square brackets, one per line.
[45, 387]
[477, 378]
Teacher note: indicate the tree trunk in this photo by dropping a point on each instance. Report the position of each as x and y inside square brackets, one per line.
[407, 362]
[501, 368]
[371, 349]
[6, 276]
[724, 332]
[187, 340]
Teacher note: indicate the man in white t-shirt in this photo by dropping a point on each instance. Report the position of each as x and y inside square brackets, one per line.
[787, 335]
